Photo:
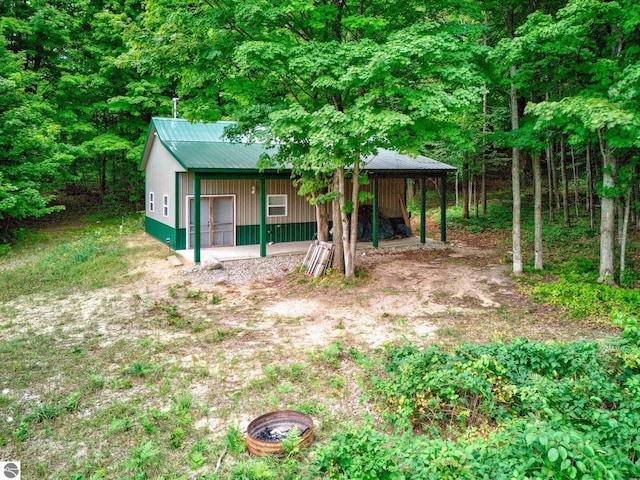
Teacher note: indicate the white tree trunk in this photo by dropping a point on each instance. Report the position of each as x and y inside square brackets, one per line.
[515, 182]
[607, 214]
[537, 211]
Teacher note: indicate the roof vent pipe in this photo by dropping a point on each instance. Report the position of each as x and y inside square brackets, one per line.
[175, 107]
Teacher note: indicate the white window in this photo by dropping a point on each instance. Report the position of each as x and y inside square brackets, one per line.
[165, 205]
[276, 205]
[151, 201]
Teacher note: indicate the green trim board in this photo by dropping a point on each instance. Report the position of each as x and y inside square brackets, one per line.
[277, 233]
[245, 234]
[161, 232]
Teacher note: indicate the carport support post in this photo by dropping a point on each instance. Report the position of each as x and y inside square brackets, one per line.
[196, 213]
[263, 217]
[423, 210]
[374, 220]
[443, 208]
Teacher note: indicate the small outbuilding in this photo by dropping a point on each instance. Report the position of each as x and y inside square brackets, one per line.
[193, 171]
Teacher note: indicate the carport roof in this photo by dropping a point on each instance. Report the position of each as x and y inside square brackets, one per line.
[204, 147]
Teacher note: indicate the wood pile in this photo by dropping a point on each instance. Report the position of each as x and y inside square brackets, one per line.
[318, 258]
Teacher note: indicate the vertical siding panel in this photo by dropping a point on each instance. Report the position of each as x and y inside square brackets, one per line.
[390, 191]
[247, 203]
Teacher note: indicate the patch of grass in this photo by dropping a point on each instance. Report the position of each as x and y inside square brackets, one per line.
[331, 355]
[93, 259]
[234, 440]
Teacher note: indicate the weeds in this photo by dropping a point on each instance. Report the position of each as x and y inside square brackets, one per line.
[96, 259]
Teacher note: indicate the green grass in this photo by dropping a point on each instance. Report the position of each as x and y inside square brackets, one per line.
[96, 257]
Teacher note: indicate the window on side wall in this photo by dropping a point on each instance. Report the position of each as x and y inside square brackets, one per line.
[152, 202]
[165, 205]
[276, 205]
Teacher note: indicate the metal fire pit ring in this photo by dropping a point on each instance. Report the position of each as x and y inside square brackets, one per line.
[265, 433]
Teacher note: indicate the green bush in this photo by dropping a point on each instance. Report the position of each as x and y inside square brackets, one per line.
[585, 298]
[502, 411]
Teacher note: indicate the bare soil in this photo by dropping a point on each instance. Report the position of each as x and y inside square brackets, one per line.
[458, 292]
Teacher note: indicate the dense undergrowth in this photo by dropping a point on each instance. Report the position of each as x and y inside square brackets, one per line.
[501, 411]
[520, 410]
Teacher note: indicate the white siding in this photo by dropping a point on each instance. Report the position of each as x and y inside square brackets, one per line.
[160, 179]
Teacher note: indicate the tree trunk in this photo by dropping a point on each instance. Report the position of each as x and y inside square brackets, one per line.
[322, 220]
[576, 193]
[476, 200]
[565, 182]
[483, 188]
[537, 211]
[515, 182]
[483, 182]
[550, 181]
[620, 216]
[338, 255]
[465, 185]
[350, 262]
[607, 214]
[590, 200]
[554, 176]
[623, 238]
[411, 191]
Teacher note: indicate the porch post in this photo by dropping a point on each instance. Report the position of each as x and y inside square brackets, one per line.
[374, 219]
[423, 210]
[196, 213]
[443, 208]
[263, 217]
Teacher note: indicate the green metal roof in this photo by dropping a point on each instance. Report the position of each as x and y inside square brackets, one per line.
[203, 146]
[389, 161]
[180, 130]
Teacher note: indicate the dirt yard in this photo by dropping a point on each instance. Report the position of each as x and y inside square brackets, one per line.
[451, 293]
[261, 336]
[462, 291]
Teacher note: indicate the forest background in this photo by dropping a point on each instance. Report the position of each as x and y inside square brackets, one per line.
[547, 90]
[542, 96]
